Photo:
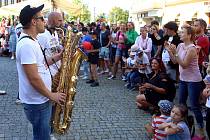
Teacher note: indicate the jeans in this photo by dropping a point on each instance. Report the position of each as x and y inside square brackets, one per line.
[193, 89]
[208, 122]
[86, 67]
[39, 116]
[133, 78]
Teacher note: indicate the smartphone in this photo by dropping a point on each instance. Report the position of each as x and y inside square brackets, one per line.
[170, 40]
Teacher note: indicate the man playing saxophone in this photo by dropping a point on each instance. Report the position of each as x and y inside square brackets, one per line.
[33, 72]
[49, 41]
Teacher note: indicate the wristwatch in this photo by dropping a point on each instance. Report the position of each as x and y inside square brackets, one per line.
[176, 55]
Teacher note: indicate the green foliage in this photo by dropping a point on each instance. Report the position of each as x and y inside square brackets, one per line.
[118, 15]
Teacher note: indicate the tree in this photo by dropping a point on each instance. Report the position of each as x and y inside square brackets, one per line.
[84, 14]
[118, 15]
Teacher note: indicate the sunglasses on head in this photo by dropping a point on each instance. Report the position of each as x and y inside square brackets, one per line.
[41, 17]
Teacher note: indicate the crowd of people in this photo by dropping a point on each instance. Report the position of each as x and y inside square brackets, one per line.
[152, 63]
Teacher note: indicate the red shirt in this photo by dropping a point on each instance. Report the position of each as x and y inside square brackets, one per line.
[203, 42]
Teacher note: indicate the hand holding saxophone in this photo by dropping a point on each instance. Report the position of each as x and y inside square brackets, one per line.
[58, 97]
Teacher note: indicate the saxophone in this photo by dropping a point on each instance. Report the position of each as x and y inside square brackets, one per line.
[71, 60]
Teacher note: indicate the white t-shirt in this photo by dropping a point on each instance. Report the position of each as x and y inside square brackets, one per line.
[165, 54]
[130, 62]
[28, 51]
[144, 60]
[50, 44]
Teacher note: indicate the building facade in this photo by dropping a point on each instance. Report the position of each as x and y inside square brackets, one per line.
[8, 2]
[180, 11]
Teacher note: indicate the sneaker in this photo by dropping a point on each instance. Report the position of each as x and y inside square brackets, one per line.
[124, 79]
[18, 101]
[94, 84]
[2, 92]
[127, 84]
[52, 137]
[90, 81]
[85, 78]
[102, 72]
[12, 57]
[112, 77]
[106, 71]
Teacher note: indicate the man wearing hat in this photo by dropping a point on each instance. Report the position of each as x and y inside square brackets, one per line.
[34, 75]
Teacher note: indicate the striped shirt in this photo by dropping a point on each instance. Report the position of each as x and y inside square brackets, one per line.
[157, 120]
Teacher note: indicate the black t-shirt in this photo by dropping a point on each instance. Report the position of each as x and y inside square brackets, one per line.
[96, 45]
[176, 40]
[155, 41]
[104, 38]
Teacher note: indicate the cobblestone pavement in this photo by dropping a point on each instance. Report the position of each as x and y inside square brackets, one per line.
[106, 112]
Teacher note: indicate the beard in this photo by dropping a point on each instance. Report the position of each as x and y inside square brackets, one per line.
[198, 31]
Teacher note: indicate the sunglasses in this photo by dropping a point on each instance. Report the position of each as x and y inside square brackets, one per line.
[42, 18]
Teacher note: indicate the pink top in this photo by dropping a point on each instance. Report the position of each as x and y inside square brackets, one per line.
[192, 72]
[121, 36]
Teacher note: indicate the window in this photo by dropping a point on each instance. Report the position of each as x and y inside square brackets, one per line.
[5, 2]
[18, 1]
[12, 1]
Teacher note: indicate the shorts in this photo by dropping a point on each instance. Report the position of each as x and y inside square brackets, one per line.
[93, 59]
[104, 53]
[121, 52]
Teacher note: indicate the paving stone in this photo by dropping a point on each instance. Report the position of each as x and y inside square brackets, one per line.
[106, 112]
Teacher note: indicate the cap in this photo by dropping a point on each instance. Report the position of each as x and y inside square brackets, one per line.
[207, 78]
[165, 106]
[139, 51]
[132, 53]
[27, 13]
[134, 48]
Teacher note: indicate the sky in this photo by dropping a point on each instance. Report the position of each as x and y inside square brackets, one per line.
[104, 6]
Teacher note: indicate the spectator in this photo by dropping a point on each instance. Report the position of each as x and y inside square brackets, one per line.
[158, 87]
[131, 35]
[175, 126]
[190, 77]
[202, 43]
[171, 37]
[144, 42]
[12, 39]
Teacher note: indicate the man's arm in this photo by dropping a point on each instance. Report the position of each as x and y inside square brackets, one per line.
[38, 84]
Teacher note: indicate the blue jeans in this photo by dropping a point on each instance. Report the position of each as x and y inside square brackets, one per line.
[193, 89]
[86, 67]
[133, 78]
[39, 116]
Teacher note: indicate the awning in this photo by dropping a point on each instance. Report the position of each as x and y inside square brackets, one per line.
[64, 5]
[67, 6]
[14, 9]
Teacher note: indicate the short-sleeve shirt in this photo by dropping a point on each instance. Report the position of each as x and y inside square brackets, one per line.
[130, 62]
[50, 44]
[104, 38]
[183, 135]
[156, 122]
[29, 52]
[144, 60]
[203, 42]
[96, 45]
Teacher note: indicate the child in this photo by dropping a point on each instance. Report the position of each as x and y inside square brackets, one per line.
[129, 65]
[175, 126]
[93, 56]
[165, 108]
[143, 68]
